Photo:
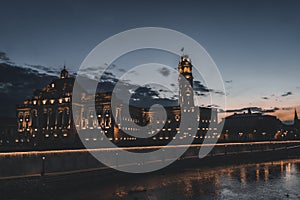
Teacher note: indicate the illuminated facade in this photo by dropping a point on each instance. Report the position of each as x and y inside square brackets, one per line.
[46, 120]
[47, 115]
[251, 126]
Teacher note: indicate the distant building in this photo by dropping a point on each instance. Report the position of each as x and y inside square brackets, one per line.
[8, 129]
[251, 126]
[291, 131]
[296, 120]
[46, 120]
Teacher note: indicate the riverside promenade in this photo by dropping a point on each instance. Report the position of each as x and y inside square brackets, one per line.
[15, 165]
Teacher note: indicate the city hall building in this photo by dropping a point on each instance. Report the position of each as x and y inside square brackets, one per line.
[46, 120]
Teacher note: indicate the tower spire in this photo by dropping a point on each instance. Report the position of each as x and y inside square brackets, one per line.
[182, 50]
[296, 119]
[64, 73]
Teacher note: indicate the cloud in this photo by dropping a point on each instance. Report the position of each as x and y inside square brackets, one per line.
[200, 94]
[18, 83]
[201, 89]
[270, 110]
[253, 109]
[287, 94]
[288, 108]
[213, 106]
[4, 57]
[122, 70]
[164, 71]
[277, 98]
[5, 87]
[219, 92]
[43, 70]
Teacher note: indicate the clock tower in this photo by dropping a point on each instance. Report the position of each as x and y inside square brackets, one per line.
[185, 79]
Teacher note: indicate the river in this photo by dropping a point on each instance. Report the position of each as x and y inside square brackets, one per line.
[271, 180]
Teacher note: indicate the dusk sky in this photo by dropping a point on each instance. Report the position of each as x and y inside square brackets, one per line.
[255, 44]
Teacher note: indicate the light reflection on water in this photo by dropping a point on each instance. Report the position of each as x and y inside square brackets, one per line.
[276, 180]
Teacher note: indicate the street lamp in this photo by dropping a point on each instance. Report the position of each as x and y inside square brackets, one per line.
[43, 165]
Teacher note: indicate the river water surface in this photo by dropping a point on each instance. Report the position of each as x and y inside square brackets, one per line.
[273, 180]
